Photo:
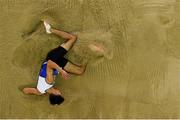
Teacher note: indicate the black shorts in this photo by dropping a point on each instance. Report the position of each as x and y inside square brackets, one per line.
[57, 56]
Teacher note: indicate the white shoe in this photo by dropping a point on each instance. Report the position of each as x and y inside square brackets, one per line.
[47, 27]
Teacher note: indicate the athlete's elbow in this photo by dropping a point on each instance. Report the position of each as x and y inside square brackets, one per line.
[49, 61]
[50, 64]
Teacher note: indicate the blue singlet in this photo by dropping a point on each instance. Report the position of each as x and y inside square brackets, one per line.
[43, 73]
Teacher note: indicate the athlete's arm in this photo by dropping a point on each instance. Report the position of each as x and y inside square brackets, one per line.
[49, 77]
[31, 91]
[53, 91]
[52, 65]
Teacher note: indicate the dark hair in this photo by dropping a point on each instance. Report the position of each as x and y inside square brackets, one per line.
[55, 99]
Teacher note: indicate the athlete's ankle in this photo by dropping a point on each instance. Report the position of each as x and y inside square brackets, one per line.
[51, 30]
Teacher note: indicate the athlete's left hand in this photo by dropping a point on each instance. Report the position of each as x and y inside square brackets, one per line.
[64, 74]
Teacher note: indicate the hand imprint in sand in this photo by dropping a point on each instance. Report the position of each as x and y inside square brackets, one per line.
[92, 46]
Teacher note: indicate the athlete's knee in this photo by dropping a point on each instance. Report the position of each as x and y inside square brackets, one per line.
[74, 38]
[81, 70]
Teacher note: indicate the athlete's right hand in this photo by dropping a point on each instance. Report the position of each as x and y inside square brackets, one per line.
[64, 74]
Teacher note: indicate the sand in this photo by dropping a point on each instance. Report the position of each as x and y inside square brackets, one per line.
[135, 76]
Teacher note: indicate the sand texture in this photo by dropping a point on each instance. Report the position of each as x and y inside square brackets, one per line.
[137, 75]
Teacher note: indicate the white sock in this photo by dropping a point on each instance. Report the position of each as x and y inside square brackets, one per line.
[47, 27]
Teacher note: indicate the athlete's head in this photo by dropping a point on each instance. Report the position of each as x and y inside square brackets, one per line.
[55, 99]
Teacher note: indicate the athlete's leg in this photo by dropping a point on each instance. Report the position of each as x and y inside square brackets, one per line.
[31, 91]
[67, 36]
[71, 39]
[74, 69]
[64, 35]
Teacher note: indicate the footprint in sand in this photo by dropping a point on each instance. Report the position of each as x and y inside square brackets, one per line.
[94, 47]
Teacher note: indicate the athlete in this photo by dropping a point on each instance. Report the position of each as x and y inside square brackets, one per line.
[55, 64]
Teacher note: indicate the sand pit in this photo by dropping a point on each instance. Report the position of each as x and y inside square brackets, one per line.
[132, 50]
